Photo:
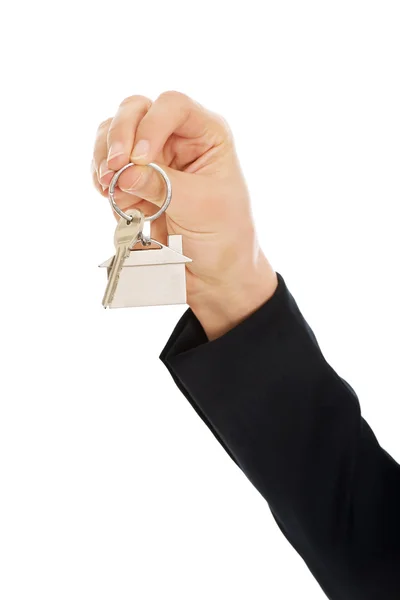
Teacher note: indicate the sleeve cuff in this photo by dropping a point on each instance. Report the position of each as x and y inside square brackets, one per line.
[188, 333]
[262, 386]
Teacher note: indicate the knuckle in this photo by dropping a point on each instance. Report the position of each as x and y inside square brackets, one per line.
[222, 122]
[104, 124]
[174, 95]
[222, 126]
[136, 99]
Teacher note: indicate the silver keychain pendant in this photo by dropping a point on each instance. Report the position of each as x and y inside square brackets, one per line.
[138, 275]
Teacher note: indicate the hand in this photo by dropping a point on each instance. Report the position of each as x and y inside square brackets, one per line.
[229, 277]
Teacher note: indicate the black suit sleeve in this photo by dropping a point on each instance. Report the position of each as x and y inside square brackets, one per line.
[294, 427]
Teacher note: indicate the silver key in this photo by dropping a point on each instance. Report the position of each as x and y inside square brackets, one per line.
[125, 237]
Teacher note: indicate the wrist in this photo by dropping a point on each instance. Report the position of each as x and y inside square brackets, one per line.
[224, 303]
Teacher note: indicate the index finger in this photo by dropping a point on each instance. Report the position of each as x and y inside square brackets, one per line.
[122, 130]
[174, 112]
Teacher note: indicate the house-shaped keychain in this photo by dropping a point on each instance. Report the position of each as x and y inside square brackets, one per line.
[152, 276]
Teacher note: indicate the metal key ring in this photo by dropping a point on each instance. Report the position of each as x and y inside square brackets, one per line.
[128, 217]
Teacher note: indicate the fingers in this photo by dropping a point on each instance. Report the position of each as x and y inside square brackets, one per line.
[145, 182]
[174, 112]
[148, 126]
[123, 199]
[100, 152]
[115, 137]
[122, 130]
[142, 181]
[95, 178]
[125, 202]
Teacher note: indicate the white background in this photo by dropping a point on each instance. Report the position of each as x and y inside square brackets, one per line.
[111, 485]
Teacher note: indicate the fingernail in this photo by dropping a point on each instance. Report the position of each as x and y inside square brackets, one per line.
[116, 149]
[104, 170]
[141, 149]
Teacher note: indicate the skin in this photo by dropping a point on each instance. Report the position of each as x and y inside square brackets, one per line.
[229, 277]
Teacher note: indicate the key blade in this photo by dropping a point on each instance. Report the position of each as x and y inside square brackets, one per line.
[115, 270]
[126, 235]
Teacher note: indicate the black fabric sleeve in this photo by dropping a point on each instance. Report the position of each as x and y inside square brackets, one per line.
[294, 427]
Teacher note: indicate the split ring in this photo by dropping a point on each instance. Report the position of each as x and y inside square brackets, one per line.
[129, 217]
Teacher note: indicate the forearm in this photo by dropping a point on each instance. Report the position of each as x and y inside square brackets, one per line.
[295, 429]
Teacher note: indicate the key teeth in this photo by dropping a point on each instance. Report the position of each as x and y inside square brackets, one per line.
[123, 243]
